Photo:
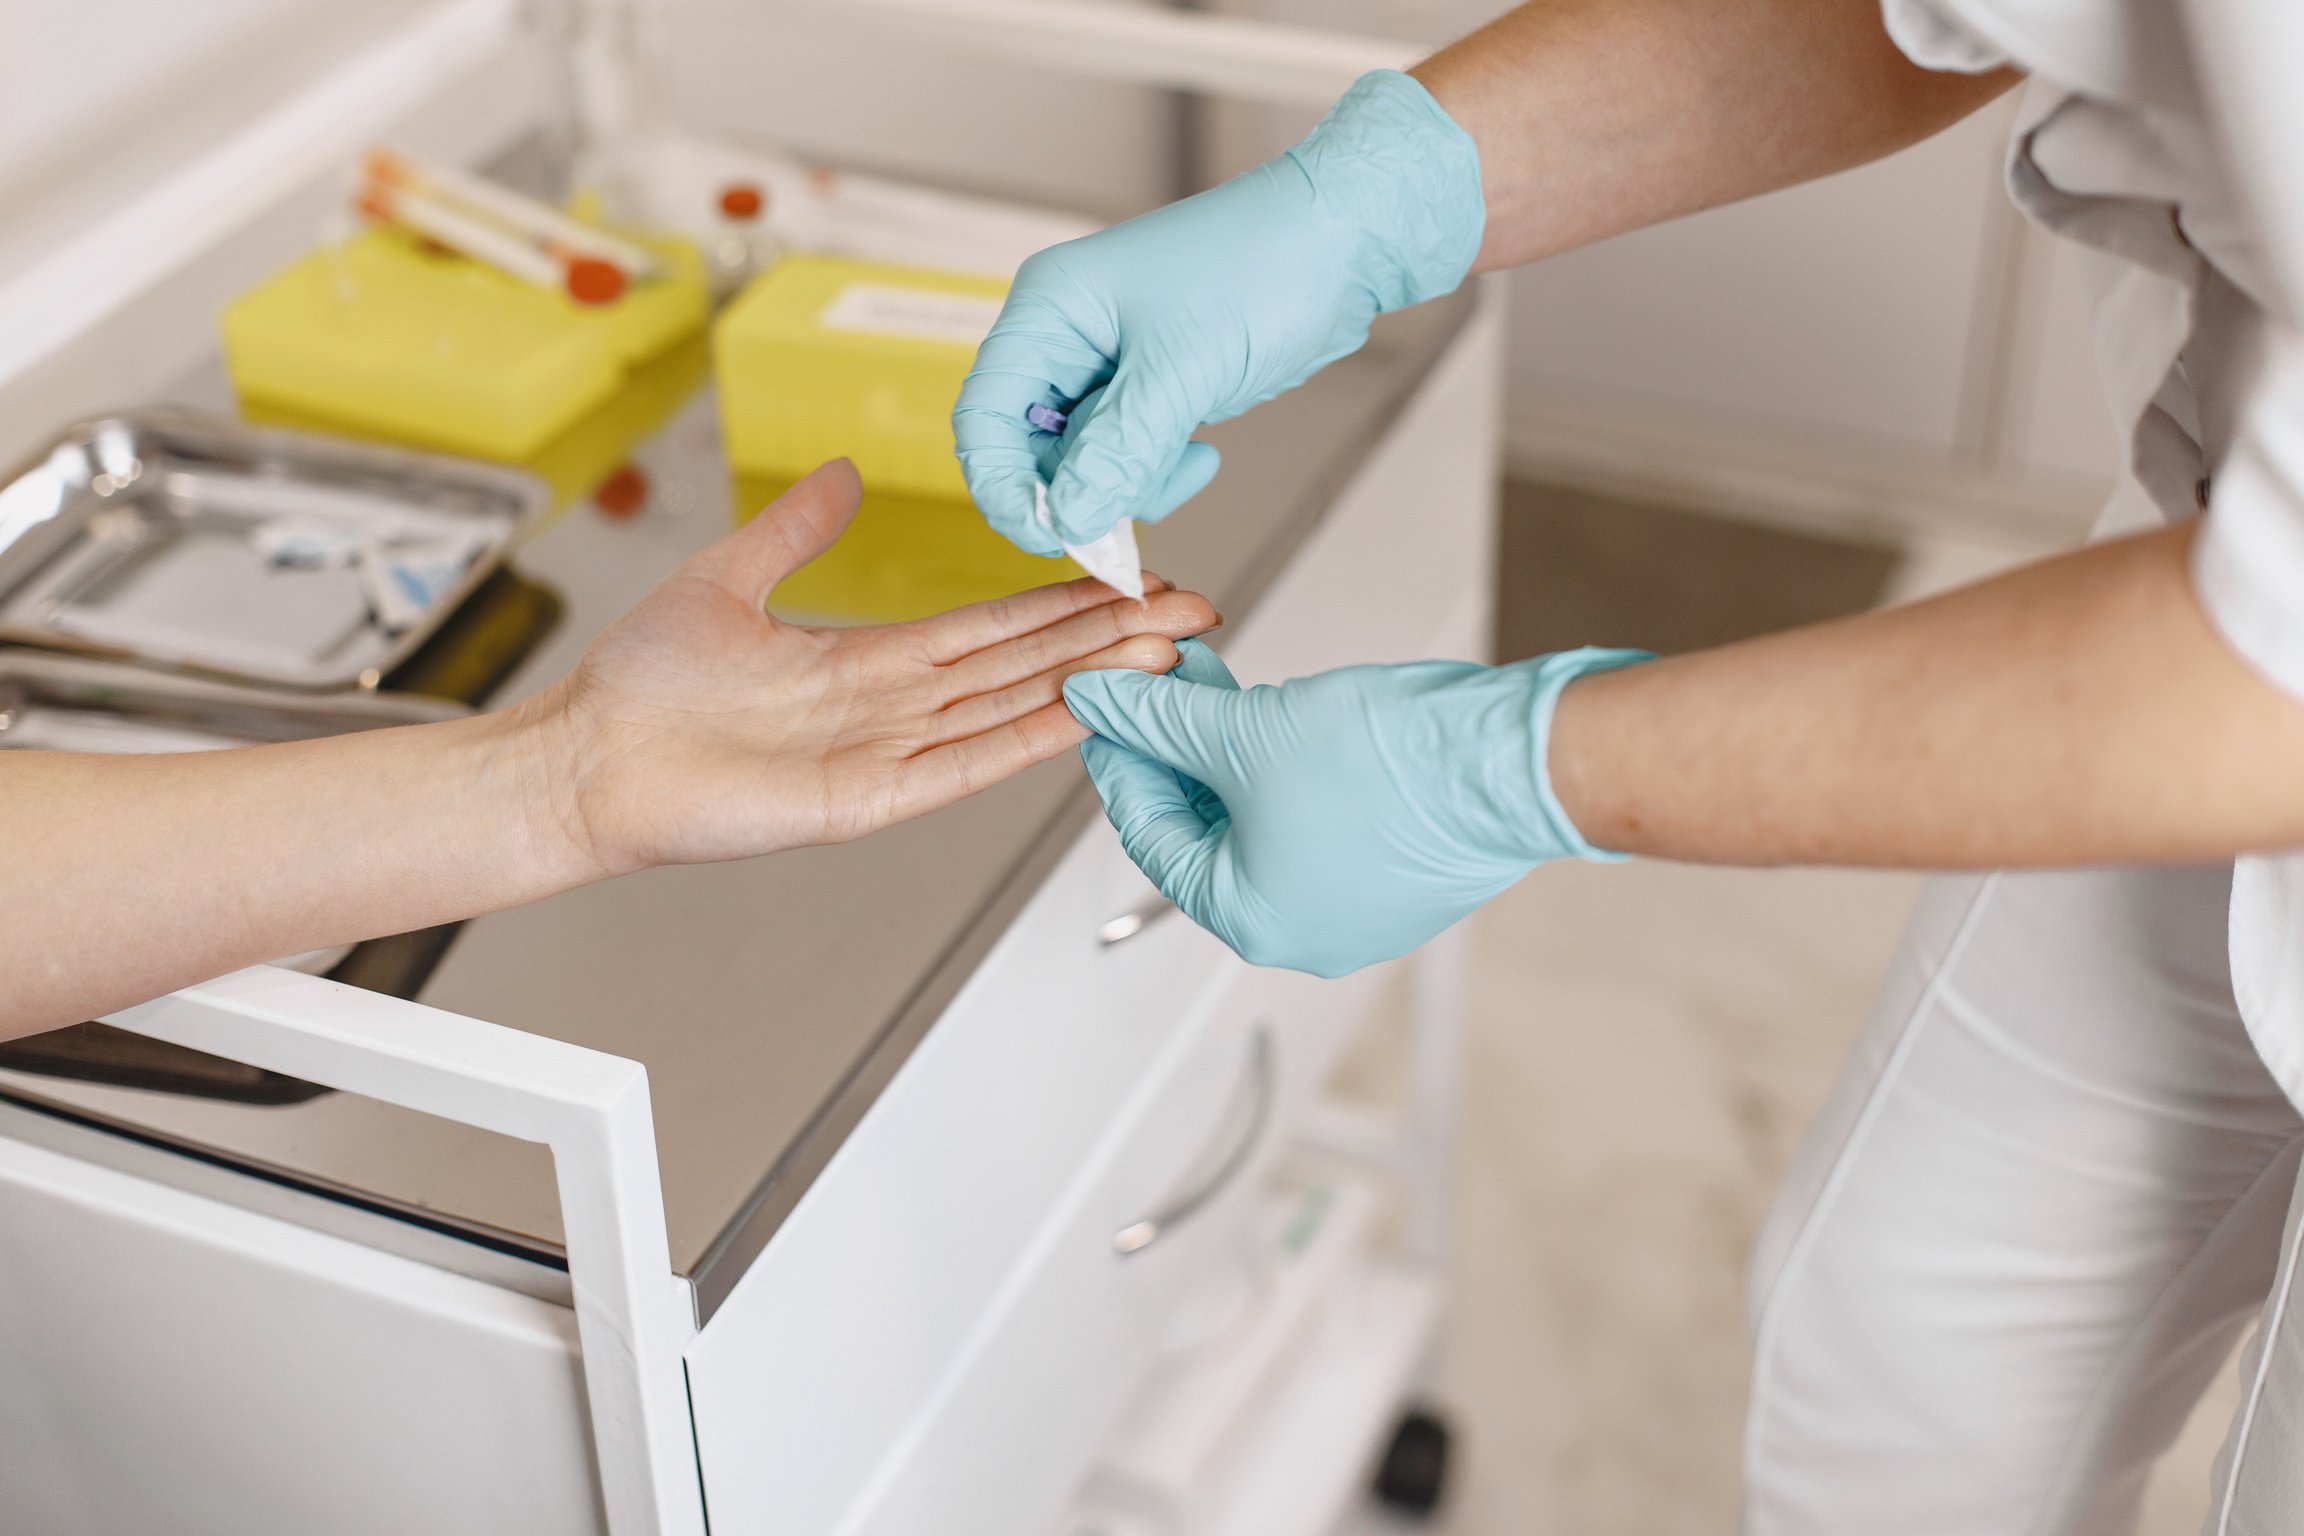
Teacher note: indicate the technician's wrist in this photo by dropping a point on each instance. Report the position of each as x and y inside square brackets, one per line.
[1390, 161]
[1568, 807]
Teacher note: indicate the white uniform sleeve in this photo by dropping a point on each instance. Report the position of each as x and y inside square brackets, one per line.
[1939, 34]
[2251, 58]
[2249, 564]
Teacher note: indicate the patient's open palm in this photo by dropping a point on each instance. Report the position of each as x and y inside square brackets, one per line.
[699, 727]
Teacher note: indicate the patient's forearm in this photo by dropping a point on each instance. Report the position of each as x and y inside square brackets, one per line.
[136, 875]
[1594, 117]
[2078, 711]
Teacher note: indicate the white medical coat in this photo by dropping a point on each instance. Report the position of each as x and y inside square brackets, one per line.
[2167, 137]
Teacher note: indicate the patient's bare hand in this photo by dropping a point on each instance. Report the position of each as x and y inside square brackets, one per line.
[698, 727]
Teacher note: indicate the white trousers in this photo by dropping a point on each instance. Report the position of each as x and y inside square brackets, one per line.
[2052, 1187]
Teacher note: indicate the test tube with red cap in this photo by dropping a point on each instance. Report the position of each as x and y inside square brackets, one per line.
[513, 234]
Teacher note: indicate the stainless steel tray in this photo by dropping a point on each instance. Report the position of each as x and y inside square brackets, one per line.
[79, 704]
[143, 536]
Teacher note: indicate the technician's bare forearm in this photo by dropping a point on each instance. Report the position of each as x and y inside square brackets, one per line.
[1594, 117]
[2079, 711]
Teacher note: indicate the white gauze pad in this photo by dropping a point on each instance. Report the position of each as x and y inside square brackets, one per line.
[1112, 559]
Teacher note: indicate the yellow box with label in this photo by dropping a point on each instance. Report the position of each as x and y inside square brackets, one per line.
[387, 337]
[825, 356]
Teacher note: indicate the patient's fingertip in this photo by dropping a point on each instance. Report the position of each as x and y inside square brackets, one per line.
[1141, 652]
[1147, 653]
[832, 470]
[1183, 613]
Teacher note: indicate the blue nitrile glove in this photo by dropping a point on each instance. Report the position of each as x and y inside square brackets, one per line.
[1339, 819]
[1199, 310]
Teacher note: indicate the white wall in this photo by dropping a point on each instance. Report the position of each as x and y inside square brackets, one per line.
[98, 98]
[832, 83]
[1841, 308]
[2058, 419]
[76, 78]
[1890, 345]
[109, 296]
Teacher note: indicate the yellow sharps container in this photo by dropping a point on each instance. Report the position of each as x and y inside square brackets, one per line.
[826, 357]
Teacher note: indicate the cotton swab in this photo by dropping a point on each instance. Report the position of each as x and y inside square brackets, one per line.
[1112, 559]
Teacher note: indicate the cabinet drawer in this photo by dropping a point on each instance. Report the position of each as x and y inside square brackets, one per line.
[1161, 1213]
[870, 1290]
[1003, 1442]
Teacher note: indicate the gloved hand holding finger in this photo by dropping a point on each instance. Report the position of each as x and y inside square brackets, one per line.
[1171, 824]
[1334, 820]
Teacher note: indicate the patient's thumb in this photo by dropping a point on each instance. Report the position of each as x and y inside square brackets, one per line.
[785, 535]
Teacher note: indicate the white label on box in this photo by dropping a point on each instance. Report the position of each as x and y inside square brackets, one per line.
[920, 314]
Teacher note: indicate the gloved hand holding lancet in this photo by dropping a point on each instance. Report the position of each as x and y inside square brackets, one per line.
[1193, 313]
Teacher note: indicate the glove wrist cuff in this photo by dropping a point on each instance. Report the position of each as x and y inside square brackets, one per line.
[1391, 164]
[1548, 677]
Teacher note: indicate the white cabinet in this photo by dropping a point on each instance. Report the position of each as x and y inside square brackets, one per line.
[828, 1360]
[173, 1362]
[938, 1335]
[936, 1340]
